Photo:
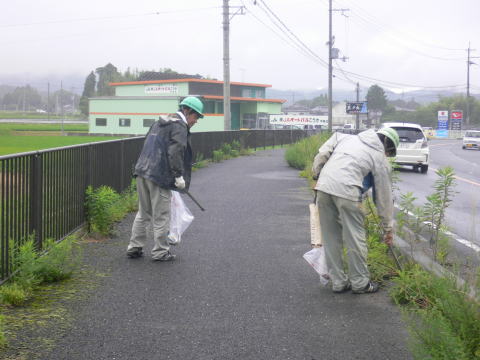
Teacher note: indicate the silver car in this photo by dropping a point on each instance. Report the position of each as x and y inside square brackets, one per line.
[413, 149]
[471, 140]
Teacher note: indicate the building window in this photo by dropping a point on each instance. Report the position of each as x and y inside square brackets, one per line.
[101, 122]
[209, 107]
[148, 122]
[124, 122]
[249, 121]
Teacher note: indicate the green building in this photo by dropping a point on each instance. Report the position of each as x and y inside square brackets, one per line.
[137, 104]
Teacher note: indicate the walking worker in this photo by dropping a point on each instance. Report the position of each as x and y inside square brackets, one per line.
[165, 164]
[342, 166]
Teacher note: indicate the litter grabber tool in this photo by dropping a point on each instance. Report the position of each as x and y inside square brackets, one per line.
[315, 233]
[195, 201]
[390, 247]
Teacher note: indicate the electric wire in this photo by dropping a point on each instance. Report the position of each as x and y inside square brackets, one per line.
[109, 17]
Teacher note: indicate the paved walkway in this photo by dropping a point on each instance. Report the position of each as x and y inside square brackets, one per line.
[239, 288]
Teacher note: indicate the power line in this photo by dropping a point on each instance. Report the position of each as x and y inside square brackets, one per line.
[108, 17]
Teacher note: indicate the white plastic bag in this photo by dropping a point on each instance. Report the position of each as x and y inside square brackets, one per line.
[316, 258]
[180, 218]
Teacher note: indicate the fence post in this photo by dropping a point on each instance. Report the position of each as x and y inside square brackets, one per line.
[36, 197]
[122, 165]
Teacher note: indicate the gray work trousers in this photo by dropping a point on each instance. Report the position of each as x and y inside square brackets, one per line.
[342, 224]
[153, 208]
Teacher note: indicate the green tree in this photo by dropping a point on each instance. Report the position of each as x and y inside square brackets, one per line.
[106, 75]
[376, 98]
[22, 98]
[88, 91]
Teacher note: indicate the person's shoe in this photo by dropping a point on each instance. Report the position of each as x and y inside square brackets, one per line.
[135, 252]
[167, 257]
[371, 287]
[345, 288]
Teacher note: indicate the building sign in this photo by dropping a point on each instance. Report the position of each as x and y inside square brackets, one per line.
[298, 120]
[456, 118]
[442, 120]
[356, 107]
[161, 89]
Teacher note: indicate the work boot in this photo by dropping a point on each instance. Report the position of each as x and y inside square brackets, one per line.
[166, 257]
[371, 287]
[135, 252]
[345, 288]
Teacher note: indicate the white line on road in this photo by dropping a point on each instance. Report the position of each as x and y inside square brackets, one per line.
[461, 179]
[455, 237]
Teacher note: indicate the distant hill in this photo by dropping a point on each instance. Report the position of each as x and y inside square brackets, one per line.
[72, 82]
[420, 96]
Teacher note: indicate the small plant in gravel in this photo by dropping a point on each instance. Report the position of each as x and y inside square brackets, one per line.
[104, 207]
[32, 268]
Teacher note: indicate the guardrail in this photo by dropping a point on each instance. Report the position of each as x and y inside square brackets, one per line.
[42, 193]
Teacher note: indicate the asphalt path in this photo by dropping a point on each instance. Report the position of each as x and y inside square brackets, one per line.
[239, 288]
[464, 212]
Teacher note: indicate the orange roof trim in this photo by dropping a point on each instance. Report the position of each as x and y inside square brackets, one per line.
[184, 80]
[236, 98]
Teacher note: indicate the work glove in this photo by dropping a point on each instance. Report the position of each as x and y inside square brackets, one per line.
[180, 183]
[388, 238]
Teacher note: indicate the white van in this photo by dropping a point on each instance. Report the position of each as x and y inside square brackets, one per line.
[471, 140]
[413, 149]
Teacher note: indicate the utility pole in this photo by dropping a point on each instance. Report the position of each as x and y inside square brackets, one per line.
[48, 101]
[61, 103]
[226, 67]
[357, 116]
[330, 120]
[469, 62]
[331, 56]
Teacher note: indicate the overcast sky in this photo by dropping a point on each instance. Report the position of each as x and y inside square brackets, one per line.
[404, 44]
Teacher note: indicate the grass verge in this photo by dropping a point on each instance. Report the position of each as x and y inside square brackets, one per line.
[443, 320]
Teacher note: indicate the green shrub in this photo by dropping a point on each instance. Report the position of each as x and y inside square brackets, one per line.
[217, 156]
[13, 294]
[227, 151]
[234, 153]
[236, 145]
[300, 155]
[102, 209]
[3, 339]
[59, 262]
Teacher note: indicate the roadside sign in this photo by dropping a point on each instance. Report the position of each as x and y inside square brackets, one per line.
[441, 133]
[442, 120]
[456, 118]
[356, 107]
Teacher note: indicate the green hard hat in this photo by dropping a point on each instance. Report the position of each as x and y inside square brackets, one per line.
[193, 103]
[391, 134]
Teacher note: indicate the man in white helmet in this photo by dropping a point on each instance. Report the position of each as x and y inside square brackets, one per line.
[165, 164]
[343, 164]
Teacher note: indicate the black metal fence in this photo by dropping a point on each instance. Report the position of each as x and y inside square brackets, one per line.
[42, 193]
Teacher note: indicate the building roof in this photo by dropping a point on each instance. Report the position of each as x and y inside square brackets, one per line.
[145, 82]
[236, 98]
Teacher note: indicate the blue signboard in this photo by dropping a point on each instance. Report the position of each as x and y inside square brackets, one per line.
[441, 133]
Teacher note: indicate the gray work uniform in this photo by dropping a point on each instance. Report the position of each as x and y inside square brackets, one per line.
[166, 154]
[341, 164]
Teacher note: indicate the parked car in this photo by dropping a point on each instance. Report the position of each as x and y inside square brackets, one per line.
[471, 140]
[413, 149]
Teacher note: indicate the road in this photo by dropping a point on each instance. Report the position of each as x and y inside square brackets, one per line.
[463, 213]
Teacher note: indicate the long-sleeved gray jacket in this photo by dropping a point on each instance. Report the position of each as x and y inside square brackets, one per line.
[342, 163]
[166, 153]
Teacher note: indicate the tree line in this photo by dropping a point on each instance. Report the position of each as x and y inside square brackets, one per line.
[425, 115]
[27, 98]
[96, 83]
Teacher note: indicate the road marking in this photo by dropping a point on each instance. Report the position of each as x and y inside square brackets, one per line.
[455, 237]
[461, 179]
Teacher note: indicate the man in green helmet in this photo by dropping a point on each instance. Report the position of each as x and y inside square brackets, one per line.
[165, 164]
[346, 166]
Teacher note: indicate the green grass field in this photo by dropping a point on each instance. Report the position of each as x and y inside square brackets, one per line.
[33, 115]
[11, 142]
